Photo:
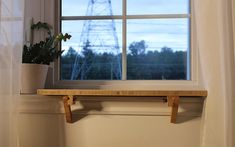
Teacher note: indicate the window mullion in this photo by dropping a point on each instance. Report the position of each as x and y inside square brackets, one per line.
[124, 51]
[90, 17]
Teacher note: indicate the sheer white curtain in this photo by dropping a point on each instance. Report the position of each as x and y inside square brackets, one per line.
[214, 25]
[11, 36]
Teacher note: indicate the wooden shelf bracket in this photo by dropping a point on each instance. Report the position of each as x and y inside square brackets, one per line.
[173, 102]
[68, 101]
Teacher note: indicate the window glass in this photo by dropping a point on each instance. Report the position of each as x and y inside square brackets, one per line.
[157, 49]
[91, 7]
[142, 7]
[126, 48]
[94, 52]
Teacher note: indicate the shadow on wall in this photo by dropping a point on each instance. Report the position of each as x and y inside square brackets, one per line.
[86, 108]
[190, 111]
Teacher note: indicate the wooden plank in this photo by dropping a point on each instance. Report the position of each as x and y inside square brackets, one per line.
[127, 93]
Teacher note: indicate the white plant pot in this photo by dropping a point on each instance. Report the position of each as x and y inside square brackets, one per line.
[33, 77]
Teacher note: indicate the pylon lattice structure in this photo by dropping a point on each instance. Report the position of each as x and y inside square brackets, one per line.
[98, 36]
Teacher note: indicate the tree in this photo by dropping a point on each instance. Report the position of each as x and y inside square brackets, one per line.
[88, 57]
[67, 61]
[141, 64]
[71, 53]
[138, 48]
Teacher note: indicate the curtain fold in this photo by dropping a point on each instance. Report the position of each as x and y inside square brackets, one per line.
[231, 102]
[11, 40]
[214, 23]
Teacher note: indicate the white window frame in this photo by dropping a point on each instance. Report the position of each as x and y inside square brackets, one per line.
[193, 69]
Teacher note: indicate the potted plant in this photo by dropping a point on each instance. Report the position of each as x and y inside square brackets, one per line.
[36, 58]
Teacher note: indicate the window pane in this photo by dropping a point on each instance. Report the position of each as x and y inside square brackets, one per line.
[91, 8]
[157, 49]
[94, 51]
[141, 7]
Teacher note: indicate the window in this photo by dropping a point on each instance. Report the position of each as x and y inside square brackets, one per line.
[126, 40]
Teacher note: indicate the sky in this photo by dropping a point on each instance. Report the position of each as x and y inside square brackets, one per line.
[157, 33]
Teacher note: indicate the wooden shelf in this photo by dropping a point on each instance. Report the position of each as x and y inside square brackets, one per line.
[172, 96]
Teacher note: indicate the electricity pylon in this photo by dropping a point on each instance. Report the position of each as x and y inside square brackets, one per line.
[98, 36]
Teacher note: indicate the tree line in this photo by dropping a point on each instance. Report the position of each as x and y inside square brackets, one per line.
[142, 64]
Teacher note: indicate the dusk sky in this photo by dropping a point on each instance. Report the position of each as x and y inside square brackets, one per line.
[157, 33]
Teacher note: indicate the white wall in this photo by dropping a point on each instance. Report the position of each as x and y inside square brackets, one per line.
[108, 123]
